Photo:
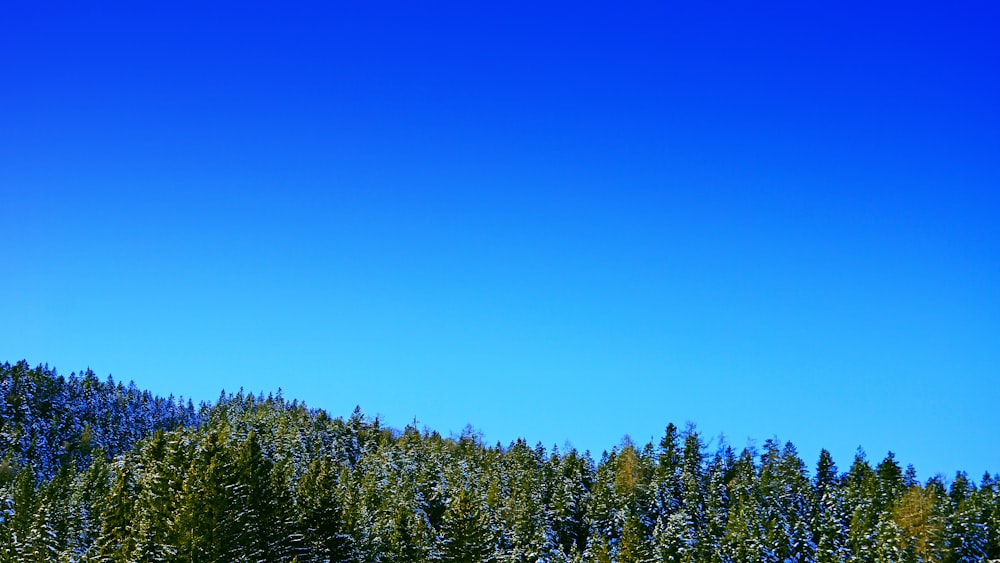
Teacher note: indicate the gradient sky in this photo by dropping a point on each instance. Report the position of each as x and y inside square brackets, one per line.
[561, 221]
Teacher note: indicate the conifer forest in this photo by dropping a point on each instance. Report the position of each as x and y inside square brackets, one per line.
[95, 470]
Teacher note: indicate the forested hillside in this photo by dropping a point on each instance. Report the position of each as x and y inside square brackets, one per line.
[97, 471]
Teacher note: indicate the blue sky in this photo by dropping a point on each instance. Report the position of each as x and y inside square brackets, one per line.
[561, 221]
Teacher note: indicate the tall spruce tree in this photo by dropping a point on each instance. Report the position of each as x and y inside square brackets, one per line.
[829, 520]
[321, 523]
[466, 535]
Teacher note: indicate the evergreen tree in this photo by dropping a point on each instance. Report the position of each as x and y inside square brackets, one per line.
[717, 502]
[158, 489]
[790, 500]
[257, 518]
[598, 549]
[571, 477]
[42, 541]
[634, 546]
[989, 502]
[321, 522]
[202, 519]
[526, 535]
[666, 485]
[693, 497]
[116, 541]
[466, 535]
[746, 535]
[860, 491]
[966, 528]
[829, 528]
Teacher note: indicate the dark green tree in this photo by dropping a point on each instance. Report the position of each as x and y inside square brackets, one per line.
[746, 532]
[862, 508]
[829, 521]
[117, 539]
[321, 522]
[466, 535]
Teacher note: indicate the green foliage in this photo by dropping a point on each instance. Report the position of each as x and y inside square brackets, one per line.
[465, 535]
[321, 523]
[92, 471]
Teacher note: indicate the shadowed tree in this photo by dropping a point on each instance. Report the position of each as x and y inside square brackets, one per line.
[321, 523]
[466, 535]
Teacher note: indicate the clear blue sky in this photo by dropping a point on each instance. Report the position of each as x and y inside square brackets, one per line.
[561, 221]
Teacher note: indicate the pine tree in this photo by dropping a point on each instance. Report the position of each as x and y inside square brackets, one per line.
[526, 533]
[159, 487]
[791, 500]
[692, 495]
[746, 535]
[41, 544]
[598, 549]
[966, 527]
[571, 481]
[20, 504]
[829, 528]
[989, 499]
[634, 546]
[672, 534]
[860, 489]
[321, 522]
[202, 530]
[255, 526]
[465, 535]
[666, 485]
[116, 541]
[717, 502]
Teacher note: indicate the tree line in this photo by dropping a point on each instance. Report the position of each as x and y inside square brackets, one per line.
[94, 470]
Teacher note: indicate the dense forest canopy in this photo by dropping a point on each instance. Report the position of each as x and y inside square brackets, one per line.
[94, 470]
